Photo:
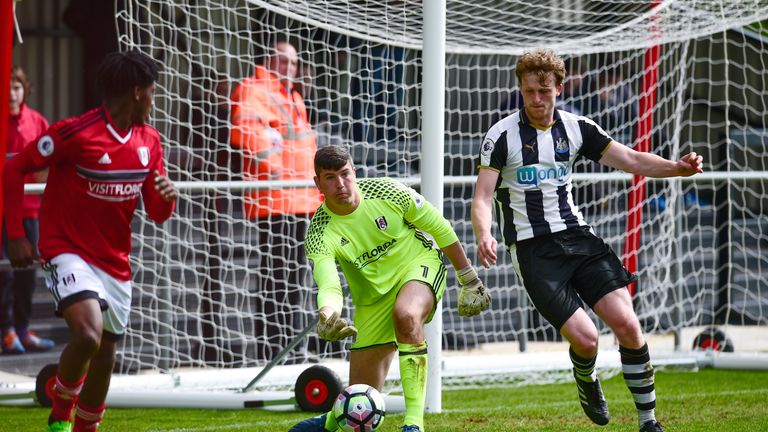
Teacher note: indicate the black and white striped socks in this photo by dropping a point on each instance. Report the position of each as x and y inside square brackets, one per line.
[638, 375]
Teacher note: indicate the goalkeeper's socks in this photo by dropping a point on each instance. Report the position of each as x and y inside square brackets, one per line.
[87, 418]
[638, 375]
[583, 369]
[64, 396]
[413, 375]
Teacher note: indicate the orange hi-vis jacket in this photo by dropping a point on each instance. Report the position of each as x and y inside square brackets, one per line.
[270, 126]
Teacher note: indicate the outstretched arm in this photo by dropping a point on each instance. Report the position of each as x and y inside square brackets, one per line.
[330, 300]
[482, 216]
[626, 159]
[330, 325]
[456, 255]
[474, 297]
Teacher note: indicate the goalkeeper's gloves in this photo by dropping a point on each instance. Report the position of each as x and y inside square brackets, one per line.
[473, 298]
[332, 328]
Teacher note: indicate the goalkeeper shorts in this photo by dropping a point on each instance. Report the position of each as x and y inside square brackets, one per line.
[561, 269]
[374, 322]
[71, 279]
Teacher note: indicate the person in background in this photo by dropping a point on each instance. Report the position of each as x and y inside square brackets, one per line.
[615, 108]
[576, 96]
[18, 286]
[271, 129]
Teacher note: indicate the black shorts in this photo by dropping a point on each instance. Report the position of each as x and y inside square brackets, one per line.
[560, 270]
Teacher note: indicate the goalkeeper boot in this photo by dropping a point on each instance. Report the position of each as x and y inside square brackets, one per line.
[593, 401]
[651, 426]
[60, 426]
[411, 428]
[314, 424]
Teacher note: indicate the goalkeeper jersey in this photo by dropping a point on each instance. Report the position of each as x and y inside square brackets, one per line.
[374, 244]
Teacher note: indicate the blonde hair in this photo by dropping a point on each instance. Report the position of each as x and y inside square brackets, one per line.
[541, 62]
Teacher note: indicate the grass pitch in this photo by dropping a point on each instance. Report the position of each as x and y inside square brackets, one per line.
[709, 400]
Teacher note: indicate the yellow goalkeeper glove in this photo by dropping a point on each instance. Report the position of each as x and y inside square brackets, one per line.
[332, 328]
[473, 298]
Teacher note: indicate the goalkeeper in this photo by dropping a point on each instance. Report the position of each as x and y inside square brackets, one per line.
[374, 230]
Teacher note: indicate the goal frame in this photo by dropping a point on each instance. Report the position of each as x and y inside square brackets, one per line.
[432, 182]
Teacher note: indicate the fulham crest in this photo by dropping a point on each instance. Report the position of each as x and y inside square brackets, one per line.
[144, 155]
[381, 222]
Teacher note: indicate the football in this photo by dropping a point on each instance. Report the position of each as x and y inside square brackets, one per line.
[359, 408]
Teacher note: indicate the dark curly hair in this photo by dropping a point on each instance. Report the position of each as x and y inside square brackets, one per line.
[120, 72]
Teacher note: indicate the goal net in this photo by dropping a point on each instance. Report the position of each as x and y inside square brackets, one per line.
[667, 77]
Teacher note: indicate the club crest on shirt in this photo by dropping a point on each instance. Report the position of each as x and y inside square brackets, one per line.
[144, 155]
[561, 145]
[68, 280]
[487, 147]
[45, 145]
[381, 222]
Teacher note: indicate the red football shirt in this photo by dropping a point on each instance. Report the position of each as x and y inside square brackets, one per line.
[96, 175]
[22, 129]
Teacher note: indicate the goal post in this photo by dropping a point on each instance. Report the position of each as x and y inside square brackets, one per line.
[374, 84]
[432, 150]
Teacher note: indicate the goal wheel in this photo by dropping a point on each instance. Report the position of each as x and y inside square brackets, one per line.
[316, 389]
[46, 379]
[713, 339]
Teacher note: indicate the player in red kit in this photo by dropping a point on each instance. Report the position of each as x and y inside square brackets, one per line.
[99, 164]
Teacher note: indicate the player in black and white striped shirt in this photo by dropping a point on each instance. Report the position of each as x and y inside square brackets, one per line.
[526, 162]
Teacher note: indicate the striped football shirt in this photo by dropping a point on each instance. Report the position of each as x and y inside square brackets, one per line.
[533, 195]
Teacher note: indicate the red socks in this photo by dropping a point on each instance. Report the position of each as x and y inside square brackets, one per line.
[64, 397]
[87, 418]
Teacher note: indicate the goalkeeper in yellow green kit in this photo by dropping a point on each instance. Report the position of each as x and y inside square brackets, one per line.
[374, 230]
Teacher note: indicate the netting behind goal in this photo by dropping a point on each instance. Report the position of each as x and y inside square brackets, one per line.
[683, 76]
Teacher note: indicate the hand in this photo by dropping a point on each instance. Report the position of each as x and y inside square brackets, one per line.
[21, 254]
[486, 250]
[332, 328]
[473, 298]
[691, 164]
[164, 186]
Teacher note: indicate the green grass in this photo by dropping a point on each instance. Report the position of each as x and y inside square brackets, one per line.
[709, 400]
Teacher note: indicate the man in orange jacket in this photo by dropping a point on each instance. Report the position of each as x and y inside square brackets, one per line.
[271, 128]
